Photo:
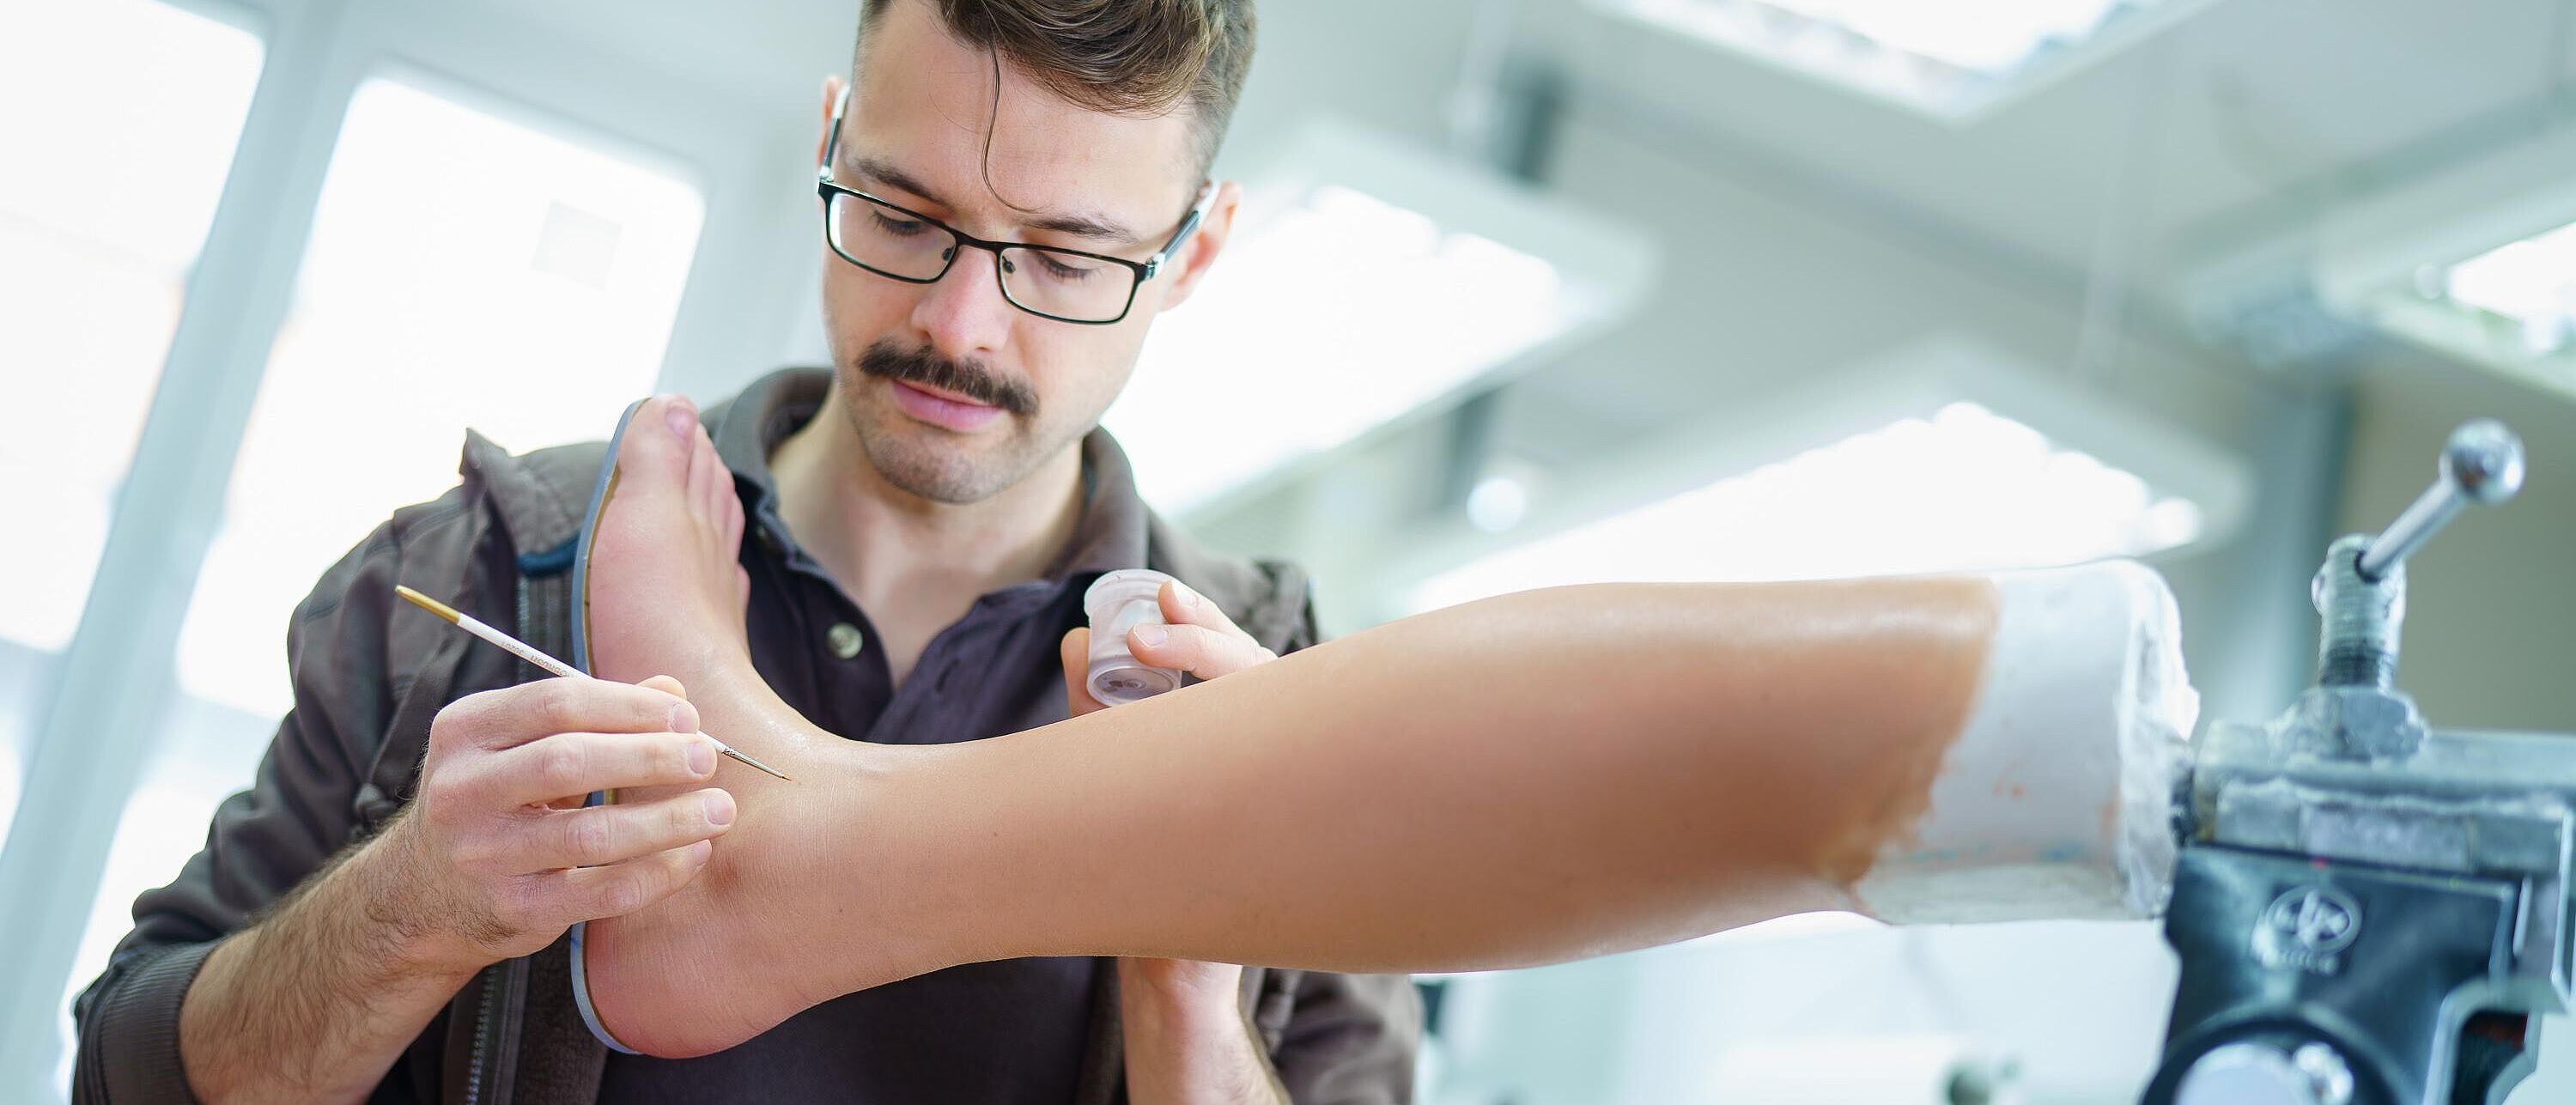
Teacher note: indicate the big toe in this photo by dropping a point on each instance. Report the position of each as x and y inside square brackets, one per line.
[654, 454]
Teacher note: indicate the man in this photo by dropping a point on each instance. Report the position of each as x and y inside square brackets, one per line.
[1014, 189]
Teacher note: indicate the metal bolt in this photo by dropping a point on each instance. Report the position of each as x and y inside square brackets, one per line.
[2357, 643]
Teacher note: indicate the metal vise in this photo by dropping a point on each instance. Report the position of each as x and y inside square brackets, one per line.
[2368, 911]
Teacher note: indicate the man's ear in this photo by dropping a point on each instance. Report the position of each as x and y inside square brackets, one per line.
[823, 136]
[1200, 251]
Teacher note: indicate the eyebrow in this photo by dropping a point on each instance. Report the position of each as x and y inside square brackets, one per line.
[1097, 228]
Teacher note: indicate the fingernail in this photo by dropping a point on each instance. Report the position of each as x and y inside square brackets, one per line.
[681, 418]
[702, 757]
[1189, 598]
[684, 717]
[719, 807]
[1152, 636]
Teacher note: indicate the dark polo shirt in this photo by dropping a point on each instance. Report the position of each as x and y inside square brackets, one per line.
[1007, 1031]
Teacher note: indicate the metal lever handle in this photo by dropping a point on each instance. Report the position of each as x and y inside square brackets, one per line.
[2482, 463]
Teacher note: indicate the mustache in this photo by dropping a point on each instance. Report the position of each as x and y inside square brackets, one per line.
[968, 378]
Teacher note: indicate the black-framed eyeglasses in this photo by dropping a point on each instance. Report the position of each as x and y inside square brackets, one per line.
[1067, 285]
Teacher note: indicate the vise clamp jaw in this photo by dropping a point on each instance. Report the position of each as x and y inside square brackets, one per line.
[2369, 911]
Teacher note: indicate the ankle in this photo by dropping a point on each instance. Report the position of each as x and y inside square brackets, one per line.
[852, 818]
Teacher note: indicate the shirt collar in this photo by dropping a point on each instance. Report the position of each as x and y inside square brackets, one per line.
[1110, 534]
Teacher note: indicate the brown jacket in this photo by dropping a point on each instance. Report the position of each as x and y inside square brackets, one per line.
[347, 756]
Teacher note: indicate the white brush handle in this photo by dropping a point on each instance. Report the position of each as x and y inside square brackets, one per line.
[525, 652]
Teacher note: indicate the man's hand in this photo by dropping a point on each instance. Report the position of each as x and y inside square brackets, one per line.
[497, 854]
[1187, 1039]
[493, 859]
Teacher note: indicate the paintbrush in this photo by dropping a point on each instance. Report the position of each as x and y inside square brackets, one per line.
[529, 653]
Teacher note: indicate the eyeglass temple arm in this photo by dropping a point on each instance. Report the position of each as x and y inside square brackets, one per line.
[832, 139]
[1198, 214]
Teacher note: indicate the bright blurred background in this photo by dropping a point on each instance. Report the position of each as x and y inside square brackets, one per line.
[1528, 292]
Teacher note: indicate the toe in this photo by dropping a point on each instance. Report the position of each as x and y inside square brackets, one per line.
[703, 466]
[655, 451]
[733, 522]
[711, 488]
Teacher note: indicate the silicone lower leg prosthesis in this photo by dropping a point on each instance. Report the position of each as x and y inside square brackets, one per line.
[1927, 750]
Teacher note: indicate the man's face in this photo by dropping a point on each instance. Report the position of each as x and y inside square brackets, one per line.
[954, 393]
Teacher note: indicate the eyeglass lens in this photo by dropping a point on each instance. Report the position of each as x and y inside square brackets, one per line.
[907, 247]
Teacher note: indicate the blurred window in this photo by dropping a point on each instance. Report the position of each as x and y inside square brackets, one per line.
[120, 126]
[463, 270]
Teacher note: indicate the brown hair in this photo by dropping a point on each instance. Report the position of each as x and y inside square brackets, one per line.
[1132, 57]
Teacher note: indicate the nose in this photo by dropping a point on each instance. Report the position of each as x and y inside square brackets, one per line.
[964, 313]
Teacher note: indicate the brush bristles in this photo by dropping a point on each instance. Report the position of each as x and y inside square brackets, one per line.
[426, 603]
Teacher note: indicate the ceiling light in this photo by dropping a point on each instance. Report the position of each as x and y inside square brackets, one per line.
[1938, 464]
[1930, 56]
[2474, 258]
[1367, 283]
[2508, 308]
[2530, 283]
[1962, 490]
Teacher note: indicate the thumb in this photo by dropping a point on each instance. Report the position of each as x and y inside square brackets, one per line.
[1076, 650]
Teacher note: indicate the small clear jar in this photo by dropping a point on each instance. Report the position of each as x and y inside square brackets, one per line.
[1118, 602]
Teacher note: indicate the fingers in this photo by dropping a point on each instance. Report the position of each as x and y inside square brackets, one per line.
[1196, 649]
[579, 763]
[590, 893]
[1183, 606]
[662, 683]
[513, 716]
[1075, 651]
[613, 834]
[1197, 638]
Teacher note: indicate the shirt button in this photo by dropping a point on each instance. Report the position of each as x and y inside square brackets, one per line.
[844, 639]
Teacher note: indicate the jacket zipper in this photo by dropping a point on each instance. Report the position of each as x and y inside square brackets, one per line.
[497, 978]
[486, 1014]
